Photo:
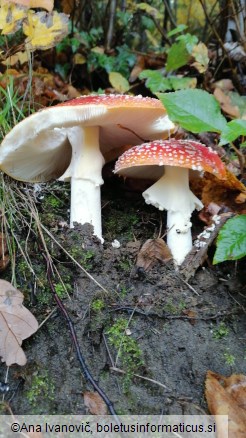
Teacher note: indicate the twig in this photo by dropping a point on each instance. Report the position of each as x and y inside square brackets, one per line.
[110, 31]
[118, 370]
[198, 254]
[169, 12]
[83, 366]
[188, 285]
[235, 78]
[164, 315]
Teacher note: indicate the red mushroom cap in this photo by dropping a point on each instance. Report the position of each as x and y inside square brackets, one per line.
[180, 153]
[114, 100]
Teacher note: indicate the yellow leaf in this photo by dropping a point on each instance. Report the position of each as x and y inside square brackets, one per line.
[149, 10]
[11, 17]
[118, 81]
[151, 38]
[45, 4]
[20, 57]
[79, 58]
[200, 53]
[44, 30]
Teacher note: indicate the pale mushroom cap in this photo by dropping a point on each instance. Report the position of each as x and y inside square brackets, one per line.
[37, 148]
[148, 159]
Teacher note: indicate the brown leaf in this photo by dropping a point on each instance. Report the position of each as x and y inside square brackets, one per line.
[222, 192]
[138, 67]
[225, 103]
[191, 314]
[4, 258]
[227, 396]
[224, 85]
[68, 6]
[152, 252]
[16, 324]
[94, 402]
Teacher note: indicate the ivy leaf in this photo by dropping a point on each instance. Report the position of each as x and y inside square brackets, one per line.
[231, 242]
[233, 130]
[194, 110]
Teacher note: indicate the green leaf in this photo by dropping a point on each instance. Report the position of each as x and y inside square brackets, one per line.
[231, 242]
[177, 29]
[177, 56]
[182, 83]
[194, 110]
[233, 130]
[155, 81]
[189, 40]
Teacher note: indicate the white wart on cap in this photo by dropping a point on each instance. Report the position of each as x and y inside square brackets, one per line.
[70, 141]
[170, 161]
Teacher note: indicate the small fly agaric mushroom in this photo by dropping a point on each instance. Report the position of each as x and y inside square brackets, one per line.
[70, 140]
[170, 161]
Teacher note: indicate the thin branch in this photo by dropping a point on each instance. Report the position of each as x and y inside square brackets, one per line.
[235, 78]
[84, 368]
[110, 31]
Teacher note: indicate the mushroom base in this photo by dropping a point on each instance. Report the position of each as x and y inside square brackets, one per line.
[179, 238]
[85, 204]
[171, 192]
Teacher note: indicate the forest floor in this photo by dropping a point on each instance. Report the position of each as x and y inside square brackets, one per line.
[175, 330]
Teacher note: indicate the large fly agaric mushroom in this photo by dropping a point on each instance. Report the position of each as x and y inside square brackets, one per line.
[170, 161]
[70, 140]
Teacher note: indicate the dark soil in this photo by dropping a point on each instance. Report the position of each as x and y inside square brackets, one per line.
[179, 330]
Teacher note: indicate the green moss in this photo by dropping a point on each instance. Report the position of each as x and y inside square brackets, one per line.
[229, 358]
[120, 223]
[220, 332]
[128, 351]
[42, 388]
[97, 305]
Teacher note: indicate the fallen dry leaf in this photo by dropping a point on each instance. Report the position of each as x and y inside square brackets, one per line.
[229, 192]
[200, 53]
[191, 314]
[152, 252]
[4, 258]
[227, 396]
[224, 84]
[94, 402]
[225, 103]
[16, 324]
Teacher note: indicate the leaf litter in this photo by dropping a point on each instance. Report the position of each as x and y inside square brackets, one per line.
[16, 324]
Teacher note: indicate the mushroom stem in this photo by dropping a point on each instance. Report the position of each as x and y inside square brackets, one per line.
[171, 192]
[179, 238]
[85, 173]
